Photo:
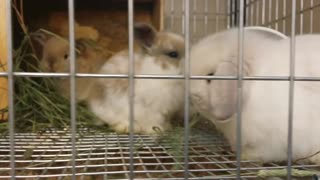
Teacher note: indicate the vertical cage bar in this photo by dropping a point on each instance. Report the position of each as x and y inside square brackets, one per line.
[263, 16]
[246, 20]
[206, 17]
[236, 12]
[171, 14]
[186, 89]
[131, 86]
[284, 15]
[251, 13]
[217, 15]
[270, 12]
[301, 16]
[231, 12]
[239, 90]
[291, 88]
[257, 13]
[72, 85]
[183, 17]
[194, 23]
[248, 11]
[105, 176]
[277, 15]
[228, 15]
[311, 16]
[10, 89]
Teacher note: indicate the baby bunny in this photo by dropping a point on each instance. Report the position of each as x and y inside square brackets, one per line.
[55, 58]
[155, 100]
[265, 103]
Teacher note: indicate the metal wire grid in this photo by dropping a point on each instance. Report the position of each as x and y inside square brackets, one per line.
[107, 156]
[206, 16]
[209, 16]
[276, 14]
[73, 148]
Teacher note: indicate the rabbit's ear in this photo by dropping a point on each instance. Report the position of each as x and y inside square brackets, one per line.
[145, 34]
[39, 39]
[223, 93]
[81, 45]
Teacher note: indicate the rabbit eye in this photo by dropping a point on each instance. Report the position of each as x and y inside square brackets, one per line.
[209, 80]
[173, 54]
[65, 56]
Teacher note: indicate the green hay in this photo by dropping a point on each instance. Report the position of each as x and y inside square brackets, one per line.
[279, 173]
[174, 140]
[37, 104]
[284, 173]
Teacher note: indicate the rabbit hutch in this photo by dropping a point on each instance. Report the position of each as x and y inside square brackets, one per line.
[46, 134]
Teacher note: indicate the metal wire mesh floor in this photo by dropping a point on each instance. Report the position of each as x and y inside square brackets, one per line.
[106, 156]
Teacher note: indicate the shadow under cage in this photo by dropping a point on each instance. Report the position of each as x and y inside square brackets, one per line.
[193, 148]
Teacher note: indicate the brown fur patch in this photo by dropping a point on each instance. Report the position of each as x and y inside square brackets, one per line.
[88, 61]
[97, 90]
[165, 43]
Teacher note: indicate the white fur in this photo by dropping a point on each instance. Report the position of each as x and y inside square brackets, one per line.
[265, 103]
[155, 100]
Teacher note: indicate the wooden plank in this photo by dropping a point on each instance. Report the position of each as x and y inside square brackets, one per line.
[3, 59]
[158, 10]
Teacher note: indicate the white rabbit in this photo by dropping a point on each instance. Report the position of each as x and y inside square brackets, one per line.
[265, 103]
[271, 33]
[155, 100]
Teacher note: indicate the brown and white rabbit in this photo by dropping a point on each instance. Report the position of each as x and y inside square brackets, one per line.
[55, 58]
[155, 100]
[265, 103]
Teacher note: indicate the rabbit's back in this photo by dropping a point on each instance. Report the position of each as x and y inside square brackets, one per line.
[274, 60]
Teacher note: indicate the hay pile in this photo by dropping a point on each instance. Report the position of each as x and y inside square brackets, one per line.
[37, 103]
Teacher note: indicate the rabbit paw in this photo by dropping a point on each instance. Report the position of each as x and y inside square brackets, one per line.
[124, 128]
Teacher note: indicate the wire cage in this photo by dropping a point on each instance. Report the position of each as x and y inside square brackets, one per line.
[85, 154]
[208, 17]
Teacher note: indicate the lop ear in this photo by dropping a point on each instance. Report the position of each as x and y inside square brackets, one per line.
[223, 93]
[144, 34]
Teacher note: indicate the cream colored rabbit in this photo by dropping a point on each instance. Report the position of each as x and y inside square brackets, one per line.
[155, 100]
[265, 103]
